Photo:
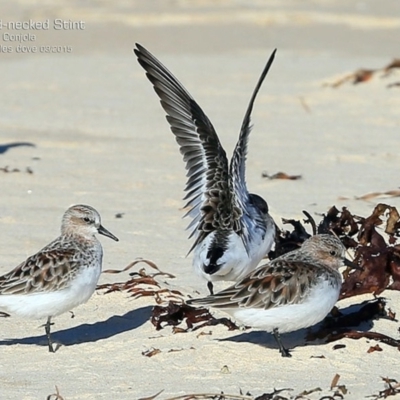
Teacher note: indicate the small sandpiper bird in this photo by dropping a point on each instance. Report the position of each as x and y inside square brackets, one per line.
[291, 292]
[232, 228]
[62, 275]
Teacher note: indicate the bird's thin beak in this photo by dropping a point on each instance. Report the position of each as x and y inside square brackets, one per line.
[352, 265]
[105, 232]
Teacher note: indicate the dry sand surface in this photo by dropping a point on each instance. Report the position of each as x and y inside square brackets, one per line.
[90, 128]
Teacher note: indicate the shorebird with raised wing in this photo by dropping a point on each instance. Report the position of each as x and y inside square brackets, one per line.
[232, 228]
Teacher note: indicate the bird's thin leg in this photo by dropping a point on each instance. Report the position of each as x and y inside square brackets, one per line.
[284, 352]
[210, 287]
[47, 329]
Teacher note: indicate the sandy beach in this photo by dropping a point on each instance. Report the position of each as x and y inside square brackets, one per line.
[80, 123]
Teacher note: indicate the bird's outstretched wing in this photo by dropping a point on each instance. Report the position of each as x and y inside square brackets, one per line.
[209, 195]
[238, 162]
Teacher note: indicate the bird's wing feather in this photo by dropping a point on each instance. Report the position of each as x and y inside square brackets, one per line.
[43, 272]
[238, 162]
[276, 284]
[209, 195]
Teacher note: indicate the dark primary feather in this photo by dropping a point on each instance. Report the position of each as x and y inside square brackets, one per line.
[206, 162]
[238, 162]
[211, 192]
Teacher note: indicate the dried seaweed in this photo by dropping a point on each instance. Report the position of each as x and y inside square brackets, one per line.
[274, 395]
[174, 314]
[137, 261]
[7, 169]
[359, 76]
[209, 333]
[225, 370]
[142, 284]
[211, 396]
[380, 337]
[339, 327]
[336, 391]
[151, 352]
[378, 257]
[338, 346]
[373, 195]
[335, 381]
[392, 65]
[369, 310]
[55, 396]
[307, 392]
[339, 222]
[310, 220]
[374, 348]
[304, 104]
[280, 175]
[392, 388]
[363, 75]
[286, 241]
[178, 350]
[151, 397]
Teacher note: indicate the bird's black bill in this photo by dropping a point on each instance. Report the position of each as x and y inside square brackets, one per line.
[352, 265]
[105, 232]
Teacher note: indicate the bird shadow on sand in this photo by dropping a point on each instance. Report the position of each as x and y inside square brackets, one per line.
[5, 147]
[293, 339]
[264, 339]
[86, 333]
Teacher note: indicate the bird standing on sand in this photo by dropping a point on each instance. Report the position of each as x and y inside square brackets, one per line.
[232, 228]
[62, 275]
[291, 292]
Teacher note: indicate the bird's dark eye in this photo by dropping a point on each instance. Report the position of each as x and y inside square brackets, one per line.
[86, 219]
[332, 253]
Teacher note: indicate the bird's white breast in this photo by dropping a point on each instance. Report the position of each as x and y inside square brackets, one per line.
[288, 318]
[235, 262]
[45, 304]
